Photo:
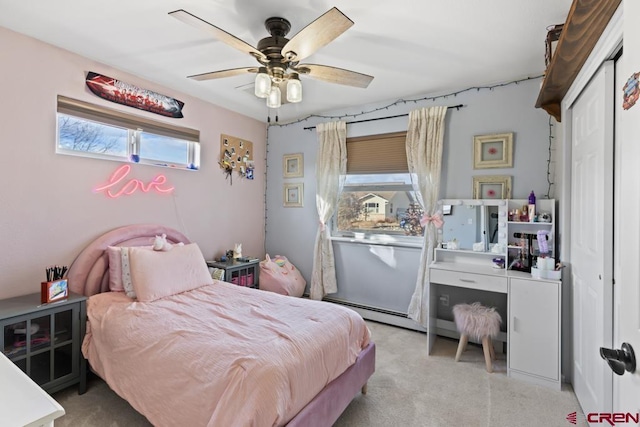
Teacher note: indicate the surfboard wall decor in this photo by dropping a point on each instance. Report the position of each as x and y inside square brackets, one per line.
[132, 96]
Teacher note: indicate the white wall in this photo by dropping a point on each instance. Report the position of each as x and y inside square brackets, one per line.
[48, 210]
[388, 281]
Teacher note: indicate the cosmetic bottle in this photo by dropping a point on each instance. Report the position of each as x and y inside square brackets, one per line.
[532, 198]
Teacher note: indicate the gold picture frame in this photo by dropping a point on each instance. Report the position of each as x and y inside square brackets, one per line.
[293, 195]
[293, 165]
[493, 151]
[492, 187]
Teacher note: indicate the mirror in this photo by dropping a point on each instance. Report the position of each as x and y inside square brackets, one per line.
[472, 225]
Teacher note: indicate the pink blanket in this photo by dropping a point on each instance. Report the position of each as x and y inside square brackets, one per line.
[220, 355]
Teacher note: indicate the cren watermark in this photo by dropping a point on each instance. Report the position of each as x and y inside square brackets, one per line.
[610, 418]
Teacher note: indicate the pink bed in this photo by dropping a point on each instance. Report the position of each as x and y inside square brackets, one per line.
[220, 354]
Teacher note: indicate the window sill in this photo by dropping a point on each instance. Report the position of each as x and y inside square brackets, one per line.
[378, 242]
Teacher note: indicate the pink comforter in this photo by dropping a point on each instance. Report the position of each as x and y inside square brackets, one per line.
[220, 355]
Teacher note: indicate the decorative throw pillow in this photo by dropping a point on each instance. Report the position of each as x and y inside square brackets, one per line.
[115, 267]
[126, 272]
[279, 275]
[157, 274]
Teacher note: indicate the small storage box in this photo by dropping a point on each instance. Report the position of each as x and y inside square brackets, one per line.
[546, 274]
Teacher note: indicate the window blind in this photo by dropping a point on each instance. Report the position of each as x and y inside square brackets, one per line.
[85, 110]
[384, 153]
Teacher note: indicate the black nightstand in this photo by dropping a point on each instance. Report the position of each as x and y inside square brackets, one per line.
[242, 273]
[44, 339]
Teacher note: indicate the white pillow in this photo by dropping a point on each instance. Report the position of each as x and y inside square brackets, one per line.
[126, 273]
[156, 274]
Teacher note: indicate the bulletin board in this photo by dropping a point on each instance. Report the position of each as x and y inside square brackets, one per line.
[236, 154]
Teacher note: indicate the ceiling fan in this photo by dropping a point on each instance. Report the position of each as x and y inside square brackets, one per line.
[280, 57]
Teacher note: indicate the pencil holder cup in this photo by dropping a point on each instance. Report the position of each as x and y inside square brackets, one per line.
[55, 290]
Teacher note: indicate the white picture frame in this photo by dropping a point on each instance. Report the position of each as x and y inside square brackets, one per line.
[293, 195]
[492, 187]
[293, 165]
[493, 151]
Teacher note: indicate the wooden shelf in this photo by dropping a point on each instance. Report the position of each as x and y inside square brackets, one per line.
[585, 24]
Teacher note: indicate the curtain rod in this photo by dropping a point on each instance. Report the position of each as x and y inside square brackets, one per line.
[457, 107]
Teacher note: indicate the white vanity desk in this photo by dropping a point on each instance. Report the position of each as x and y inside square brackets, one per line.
[533, 319]
[22, 401]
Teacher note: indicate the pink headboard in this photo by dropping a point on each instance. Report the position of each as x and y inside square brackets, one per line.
[89, 273]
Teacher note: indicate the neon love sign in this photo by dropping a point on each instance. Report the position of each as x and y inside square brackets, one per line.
[132, 185]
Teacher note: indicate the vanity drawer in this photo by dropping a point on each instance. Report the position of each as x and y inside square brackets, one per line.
[469, 280]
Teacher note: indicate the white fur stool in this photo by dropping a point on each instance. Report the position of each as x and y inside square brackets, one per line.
[480, 323]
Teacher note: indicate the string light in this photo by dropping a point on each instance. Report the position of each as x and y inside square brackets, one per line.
[415, 101]
[549, 182]
[405, 101]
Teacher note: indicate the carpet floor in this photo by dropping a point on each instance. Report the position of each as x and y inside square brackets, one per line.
[408, 389]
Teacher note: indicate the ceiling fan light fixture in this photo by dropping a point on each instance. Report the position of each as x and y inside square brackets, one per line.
[274, 99]
[262, 83]
[280, 57]
[294, 88]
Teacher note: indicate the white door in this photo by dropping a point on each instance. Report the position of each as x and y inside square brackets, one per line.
[592, 239]
[627, 289]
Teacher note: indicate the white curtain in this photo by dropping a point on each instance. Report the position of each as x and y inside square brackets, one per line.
[424, 158]
[331, 166]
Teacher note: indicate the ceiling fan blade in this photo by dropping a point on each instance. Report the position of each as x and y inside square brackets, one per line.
[334, 75]
[218, 33]
[319, 33]
[223, 73]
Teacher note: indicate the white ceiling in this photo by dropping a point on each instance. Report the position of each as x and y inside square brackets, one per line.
[411, 47]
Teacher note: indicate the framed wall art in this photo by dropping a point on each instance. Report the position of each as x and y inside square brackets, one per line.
[293, 195]
[492, 187]
[493, 151]
[293, 165]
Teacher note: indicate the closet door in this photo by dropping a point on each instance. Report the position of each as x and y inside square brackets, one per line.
[592, 239]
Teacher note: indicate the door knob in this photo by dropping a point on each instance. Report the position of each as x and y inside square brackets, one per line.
[620, 360]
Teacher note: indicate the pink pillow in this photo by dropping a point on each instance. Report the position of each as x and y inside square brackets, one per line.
[156, 274]
[280, 276]
[115, 267]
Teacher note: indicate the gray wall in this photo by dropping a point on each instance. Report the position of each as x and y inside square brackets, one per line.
[388, 281]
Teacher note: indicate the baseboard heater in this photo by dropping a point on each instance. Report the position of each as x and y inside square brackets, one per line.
[378, 314]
